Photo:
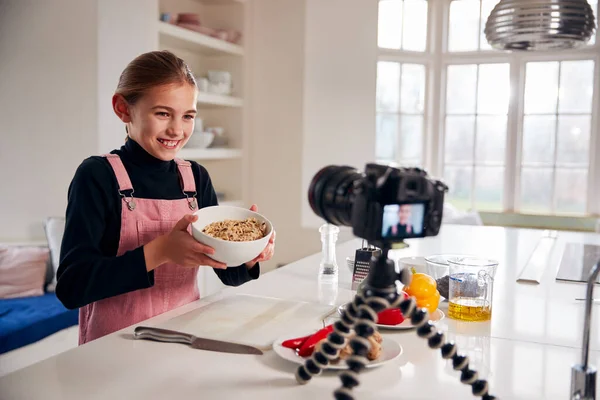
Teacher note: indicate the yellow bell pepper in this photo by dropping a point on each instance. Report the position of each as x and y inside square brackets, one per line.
[424, 289]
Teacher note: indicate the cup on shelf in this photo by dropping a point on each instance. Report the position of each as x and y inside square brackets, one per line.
[219, 82]
[198, 125]
[220, 140]
[165, 17]
[202, 84]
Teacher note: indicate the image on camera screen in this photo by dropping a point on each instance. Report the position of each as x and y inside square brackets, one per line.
[402, 221]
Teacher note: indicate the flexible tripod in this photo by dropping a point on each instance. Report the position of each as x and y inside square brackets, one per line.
[378, 294]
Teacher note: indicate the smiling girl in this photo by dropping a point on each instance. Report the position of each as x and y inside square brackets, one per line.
[127, 254]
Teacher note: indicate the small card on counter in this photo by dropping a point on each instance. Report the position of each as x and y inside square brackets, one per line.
[362, 264]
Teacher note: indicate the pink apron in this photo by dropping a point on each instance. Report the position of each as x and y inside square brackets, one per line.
[142, 220]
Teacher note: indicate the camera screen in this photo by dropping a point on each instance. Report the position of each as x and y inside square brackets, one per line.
[401, 221]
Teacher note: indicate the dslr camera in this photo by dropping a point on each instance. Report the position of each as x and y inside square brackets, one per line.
[383, 205]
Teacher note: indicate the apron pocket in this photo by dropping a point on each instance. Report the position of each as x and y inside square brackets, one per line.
[150, 230]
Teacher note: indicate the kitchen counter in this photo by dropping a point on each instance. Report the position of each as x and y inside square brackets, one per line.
[525, 352]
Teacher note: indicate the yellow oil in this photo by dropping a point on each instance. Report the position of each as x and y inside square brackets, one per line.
[469, 309]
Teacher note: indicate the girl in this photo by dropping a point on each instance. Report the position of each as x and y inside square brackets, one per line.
[127, 254]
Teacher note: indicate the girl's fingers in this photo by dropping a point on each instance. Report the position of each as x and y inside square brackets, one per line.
[205, 260]
[202, 248]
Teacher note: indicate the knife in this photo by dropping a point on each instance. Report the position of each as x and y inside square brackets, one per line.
[165, 335]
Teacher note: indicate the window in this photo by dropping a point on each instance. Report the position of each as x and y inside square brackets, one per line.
[403, 24]
[556, 136]
[400, 106]
[467, 22]
[506, 131]
[475, 134]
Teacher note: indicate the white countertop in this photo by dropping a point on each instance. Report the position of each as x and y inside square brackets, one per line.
[525, 352]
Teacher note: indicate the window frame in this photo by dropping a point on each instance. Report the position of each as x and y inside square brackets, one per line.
[437, 58]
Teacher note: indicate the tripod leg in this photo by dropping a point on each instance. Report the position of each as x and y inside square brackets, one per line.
[370, 302]
[435, 340]
[329, 350]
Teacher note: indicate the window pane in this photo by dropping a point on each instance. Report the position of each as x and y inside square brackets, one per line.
[463, 34]
[576, 86]
[411, 136]
[491, 139]
[415, 25]
[387, 132]
[494, 89]
[388, 86]
[413, 88]
[389, 24]
[460, 135]
[538, 139]
[489, 185]
[541, 88]
[573, 140]
[536, 190]
[571, 190]
[460, 94]
[458, 180]
[486, 9]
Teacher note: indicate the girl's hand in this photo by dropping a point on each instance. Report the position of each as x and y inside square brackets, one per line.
[269, 250]
[179, 247]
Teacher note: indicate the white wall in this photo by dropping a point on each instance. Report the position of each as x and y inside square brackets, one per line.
[277, 77]
[48, 122]
[313, 90]
[126, 29]
[61, 62]
[340, 70]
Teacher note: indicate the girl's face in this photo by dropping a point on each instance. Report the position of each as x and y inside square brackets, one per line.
[162, 120]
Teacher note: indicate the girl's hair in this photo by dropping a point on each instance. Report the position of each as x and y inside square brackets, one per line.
[152, 69]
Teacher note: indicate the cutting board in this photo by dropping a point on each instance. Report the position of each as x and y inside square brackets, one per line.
[247, 319]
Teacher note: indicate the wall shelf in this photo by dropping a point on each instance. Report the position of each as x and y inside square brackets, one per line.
[233, 203]
[174, 36]
[211, 99]
[209, 154]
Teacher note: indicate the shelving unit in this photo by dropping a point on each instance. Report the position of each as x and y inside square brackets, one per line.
[228, 167]
[203, 53]
[209, 154]
[211, 99]
[174, 36]
[235, 203]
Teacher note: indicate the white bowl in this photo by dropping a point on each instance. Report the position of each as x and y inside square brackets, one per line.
[228, 252]
[200, 140]
[418, 263]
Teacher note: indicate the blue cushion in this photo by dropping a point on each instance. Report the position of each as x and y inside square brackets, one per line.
[26, 320]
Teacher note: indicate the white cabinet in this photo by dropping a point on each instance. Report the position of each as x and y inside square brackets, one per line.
[226, 164]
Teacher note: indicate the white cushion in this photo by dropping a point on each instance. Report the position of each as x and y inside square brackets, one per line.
[55, 228]
[22, 271]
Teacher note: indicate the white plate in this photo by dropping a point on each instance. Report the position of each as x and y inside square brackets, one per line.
[436, 317]
[390, 350]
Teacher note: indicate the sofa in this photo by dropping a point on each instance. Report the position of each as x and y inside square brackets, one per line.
[29, 308]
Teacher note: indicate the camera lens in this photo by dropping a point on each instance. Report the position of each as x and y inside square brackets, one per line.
[331, 193]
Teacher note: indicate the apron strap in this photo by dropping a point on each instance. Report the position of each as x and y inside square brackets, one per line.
[120, 172]
[186, 175]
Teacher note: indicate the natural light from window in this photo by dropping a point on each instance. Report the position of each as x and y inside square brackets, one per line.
[507, 132]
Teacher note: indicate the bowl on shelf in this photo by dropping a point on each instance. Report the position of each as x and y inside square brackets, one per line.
[200, 140]
[230, 252]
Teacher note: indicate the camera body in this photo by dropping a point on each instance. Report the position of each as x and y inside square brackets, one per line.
[383, 204]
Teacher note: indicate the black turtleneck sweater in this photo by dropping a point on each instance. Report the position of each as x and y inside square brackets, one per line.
[89, 268]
